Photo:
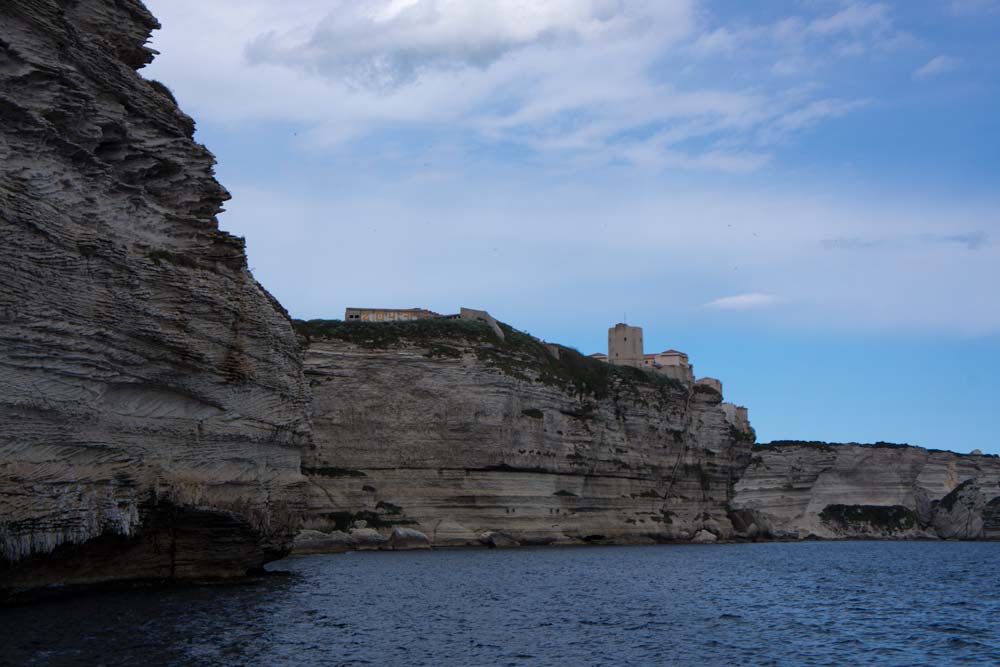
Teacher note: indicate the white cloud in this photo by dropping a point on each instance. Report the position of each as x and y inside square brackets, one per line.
[387, 43]
[411, 173]
[973, 7]
[750, 301]
[855, 18]
[973, 240]
[569, 80]
[817, 111]
[798, 43]
[936, 66]
[719, 41]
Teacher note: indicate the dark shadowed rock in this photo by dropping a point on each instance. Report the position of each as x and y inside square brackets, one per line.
[959, 515]
[991, 519]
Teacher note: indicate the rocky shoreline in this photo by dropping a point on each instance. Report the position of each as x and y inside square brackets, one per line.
[772, 512]
[444, 428]
[802, 489]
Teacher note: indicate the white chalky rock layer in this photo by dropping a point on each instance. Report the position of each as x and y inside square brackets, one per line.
[458, 438]
[787, 489]
[148, 385]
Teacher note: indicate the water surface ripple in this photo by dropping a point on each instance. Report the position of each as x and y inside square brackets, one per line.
[782, 605]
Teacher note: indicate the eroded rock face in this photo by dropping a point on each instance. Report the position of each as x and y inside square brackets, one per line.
[445, 428]
[881, 491]
[959, 515]
[408, 539]
[149, 387]
[317, 542]
[497, 540]
[991, 519]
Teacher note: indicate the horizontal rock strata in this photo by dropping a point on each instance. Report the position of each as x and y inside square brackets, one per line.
[443, 427]
[151, 396]
[799, 490]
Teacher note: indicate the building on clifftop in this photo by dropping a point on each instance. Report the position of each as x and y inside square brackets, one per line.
[413, 314]
[625, 348]
[388, 314]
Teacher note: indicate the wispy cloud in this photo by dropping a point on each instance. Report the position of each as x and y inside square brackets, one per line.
[568, 80]
[936, 66]
[969, 240]
[393, 124]
[854, 18]
[973, 7]
[817, 111]
[688, 253]
[750, 301]
[389, 43]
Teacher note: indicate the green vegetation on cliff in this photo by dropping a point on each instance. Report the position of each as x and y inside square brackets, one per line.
[387, 335]
[827, 446]
[830, 446]
[890, 518]
[948, 502]
[329, 471]
[518, 355]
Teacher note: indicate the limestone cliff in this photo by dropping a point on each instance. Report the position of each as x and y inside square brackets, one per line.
[802, 489]
[151, 396]
[444, 427]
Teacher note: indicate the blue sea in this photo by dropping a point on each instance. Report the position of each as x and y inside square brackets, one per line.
[783, 604]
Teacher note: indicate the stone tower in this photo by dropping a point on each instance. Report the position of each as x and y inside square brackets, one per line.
[625, 346]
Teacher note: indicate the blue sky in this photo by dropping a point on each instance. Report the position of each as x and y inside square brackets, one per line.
[803, 195]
